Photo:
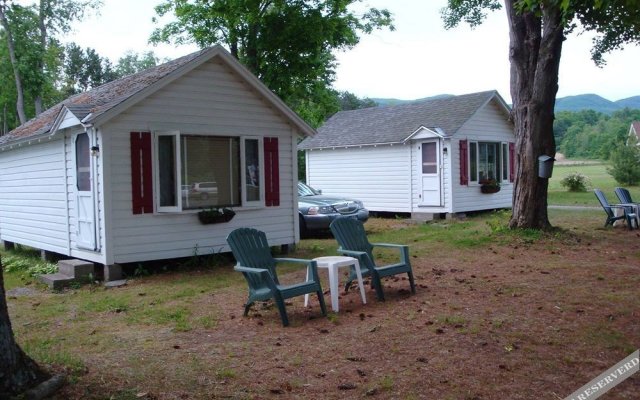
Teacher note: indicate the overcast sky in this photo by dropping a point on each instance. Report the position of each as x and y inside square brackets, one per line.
[419, 59]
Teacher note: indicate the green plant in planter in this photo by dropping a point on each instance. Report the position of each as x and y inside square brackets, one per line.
[489, 186]
[216, 215]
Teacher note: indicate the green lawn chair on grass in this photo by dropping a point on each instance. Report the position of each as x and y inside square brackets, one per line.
[353, 242]
[253, 255]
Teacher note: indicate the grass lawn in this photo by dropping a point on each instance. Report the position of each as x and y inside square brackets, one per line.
[497, 315]
[597, 173]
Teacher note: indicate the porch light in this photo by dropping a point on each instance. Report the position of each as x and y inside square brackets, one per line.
[444, 151]
[95, 151]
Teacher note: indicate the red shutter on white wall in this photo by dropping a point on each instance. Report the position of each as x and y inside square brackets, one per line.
[271, 172]
[141, 183]
[512, 161]
[464, 163]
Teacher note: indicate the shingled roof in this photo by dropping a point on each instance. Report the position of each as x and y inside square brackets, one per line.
[394, 124]
[98, 100]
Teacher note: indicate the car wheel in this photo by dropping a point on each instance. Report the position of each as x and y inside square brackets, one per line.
[303, 227]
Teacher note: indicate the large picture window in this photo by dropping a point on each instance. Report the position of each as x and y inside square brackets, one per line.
[196, 171]
[488, 161]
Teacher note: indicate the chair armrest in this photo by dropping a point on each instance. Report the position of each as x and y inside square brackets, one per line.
[403, 248]
[264, 274]
[389, 245]
[362, 256]
[312, 266]
[293, 260]
[257, 271]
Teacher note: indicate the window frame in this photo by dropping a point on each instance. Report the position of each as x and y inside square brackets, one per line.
[176, 170]
[502, 160]
[244, 202]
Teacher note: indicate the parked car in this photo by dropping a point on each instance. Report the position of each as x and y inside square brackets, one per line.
[205, 189]
[317, 210]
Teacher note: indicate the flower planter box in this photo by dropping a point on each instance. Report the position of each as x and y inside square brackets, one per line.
[212, 217]
[489, 189]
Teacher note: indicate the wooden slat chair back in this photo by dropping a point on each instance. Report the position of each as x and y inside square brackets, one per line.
[352, 238]
[627, 212]
[253, 255]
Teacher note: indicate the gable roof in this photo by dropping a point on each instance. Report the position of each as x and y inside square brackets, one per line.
[635, 127]
[108, 100]
[395, 124]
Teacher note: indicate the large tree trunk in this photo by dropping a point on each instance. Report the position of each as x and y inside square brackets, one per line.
[534, 52]
[18, 372]
[14, 64]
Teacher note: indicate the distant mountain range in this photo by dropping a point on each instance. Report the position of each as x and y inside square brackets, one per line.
[568, 103]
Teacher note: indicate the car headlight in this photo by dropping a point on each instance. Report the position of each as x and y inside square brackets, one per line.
[314, 210]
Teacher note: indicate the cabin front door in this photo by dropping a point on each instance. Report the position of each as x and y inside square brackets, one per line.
[430, 176]
[85, 214]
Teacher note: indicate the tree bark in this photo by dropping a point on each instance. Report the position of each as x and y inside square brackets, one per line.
[534, 52]
[18, 372]
[14, 63]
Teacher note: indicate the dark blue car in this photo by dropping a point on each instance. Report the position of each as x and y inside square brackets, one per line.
[317, 210]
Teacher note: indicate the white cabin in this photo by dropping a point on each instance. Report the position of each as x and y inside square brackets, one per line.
[425, 158]
[119, 173]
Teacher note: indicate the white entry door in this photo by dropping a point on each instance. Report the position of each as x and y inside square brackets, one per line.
[85, 216]
[430, 177]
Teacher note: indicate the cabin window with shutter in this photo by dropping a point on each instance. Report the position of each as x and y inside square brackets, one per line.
[196, 171]
[489, 161]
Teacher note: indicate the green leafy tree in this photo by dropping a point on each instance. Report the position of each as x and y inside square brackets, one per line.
[349, 101]
[85, 69]
[45, 19]
[594, 135]
[132, 62]
[288, 44]
[37, 82]
[537, 30]
[625, 163]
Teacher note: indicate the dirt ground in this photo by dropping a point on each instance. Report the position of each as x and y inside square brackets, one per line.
[515, 319]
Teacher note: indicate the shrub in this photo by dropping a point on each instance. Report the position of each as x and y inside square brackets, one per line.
[576, 182]
[29, 265]
[625, 165]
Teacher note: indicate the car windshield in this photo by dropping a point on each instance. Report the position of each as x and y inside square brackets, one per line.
[304, 190]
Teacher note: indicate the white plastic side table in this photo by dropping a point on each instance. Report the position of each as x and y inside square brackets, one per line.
[333, 264]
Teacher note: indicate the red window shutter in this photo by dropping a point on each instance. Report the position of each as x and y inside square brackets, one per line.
[464, 163]
[512, 161]
[271, 172]
[141, 183]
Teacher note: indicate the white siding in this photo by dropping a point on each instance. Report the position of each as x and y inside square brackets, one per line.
[379, 176]
[32, 196]
[489, 124]
[210, 100]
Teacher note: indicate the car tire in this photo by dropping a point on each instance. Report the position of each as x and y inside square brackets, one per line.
[303, 227]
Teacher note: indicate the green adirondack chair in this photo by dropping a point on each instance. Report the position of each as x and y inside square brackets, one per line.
[353, 242]
[253, 255]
